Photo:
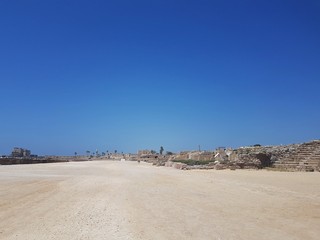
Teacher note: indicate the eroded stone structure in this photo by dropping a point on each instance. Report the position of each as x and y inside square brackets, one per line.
[294, 157]
[301, 157]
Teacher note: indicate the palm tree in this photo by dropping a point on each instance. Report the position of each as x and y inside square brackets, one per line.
[88, 153]
[161, 150]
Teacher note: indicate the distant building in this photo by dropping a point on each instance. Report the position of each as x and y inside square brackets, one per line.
[20, 152]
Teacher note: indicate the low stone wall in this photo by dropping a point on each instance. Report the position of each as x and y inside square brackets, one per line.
[10, 161]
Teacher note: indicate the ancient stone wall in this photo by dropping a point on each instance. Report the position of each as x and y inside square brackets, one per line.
[294, 157]
[301, 157]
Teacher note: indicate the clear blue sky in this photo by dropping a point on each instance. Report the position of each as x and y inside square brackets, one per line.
[128, 75]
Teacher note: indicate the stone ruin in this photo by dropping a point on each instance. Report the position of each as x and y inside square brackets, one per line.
[299, 157]
[294, 157]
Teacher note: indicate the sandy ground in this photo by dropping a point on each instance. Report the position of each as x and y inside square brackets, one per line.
[127, 200]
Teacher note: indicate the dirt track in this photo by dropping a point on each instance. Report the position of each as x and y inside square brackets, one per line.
[127, 200]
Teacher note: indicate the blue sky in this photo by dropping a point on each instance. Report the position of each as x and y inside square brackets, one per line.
[129, 75]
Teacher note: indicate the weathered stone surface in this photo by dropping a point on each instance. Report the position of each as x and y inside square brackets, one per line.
[179, 165]
[220, 166]
[193, 155]
[168, 164]
[294, 157]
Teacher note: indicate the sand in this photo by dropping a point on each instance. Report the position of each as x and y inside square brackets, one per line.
[127, 200]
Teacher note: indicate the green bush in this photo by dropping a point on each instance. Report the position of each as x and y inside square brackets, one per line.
[191, 162]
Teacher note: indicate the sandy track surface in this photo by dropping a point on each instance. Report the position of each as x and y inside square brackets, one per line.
[127, 200]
